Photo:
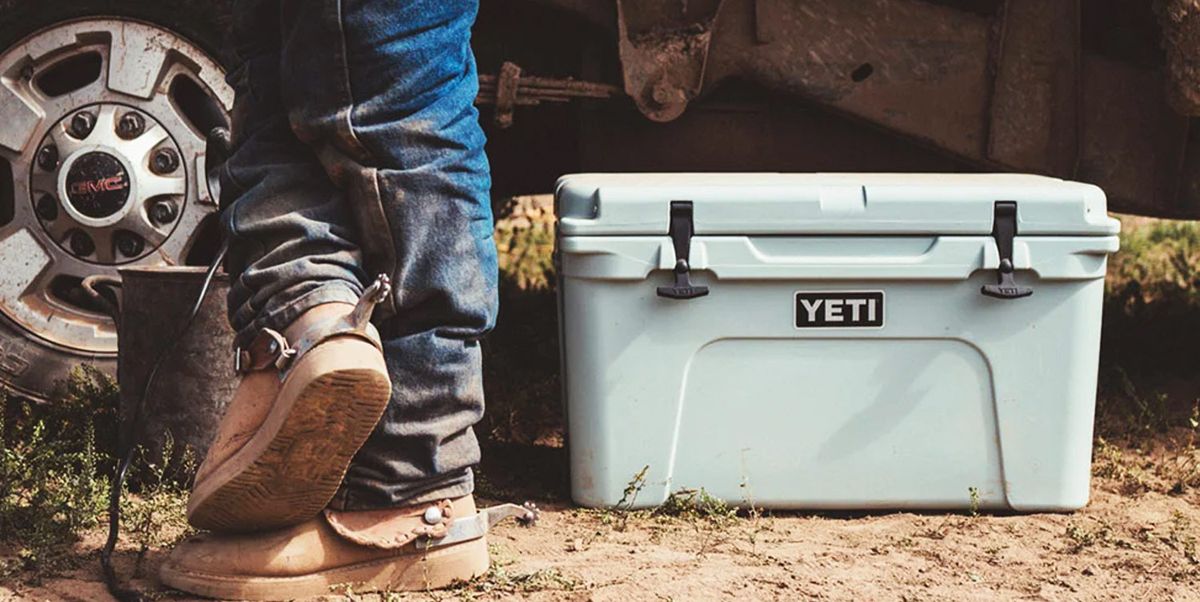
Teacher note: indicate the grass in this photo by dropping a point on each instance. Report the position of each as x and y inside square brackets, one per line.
[1148, 413]
[1151, 323]
[1080, 535]
[51, 483]
[55, 461]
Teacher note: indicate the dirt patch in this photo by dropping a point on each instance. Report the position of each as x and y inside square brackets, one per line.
[1140, 546]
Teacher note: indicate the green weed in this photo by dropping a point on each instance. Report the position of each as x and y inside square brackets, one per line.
[1080, 536]
[51, 483]
[618, 516]
[55, 462]
[156, 516]
[696, 504]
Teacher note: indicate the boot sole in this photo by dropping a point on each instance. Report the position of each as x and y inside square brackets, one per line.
[293, 465]
[413, 571]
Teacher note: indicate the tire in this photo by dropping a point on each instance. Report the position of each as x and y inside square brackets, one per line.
[204, 22]
[35, 354]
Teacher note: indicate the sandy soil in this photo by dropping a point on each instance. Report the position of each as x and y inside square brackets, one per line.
[1131, 542]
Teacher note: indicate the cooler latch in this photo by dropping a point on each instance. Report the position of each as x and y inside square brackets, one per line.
[1004, 229]
[681, 231]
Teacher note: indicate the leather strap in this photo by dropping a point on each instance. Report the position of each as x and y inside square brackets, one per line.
[391, 529]
[270, 349]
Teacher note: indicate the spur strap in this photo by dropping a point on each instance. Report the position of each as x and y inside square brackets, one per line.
[271, 350]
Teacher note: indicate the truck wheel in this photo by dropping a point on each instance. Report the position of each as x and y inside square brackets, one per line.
[104, 114]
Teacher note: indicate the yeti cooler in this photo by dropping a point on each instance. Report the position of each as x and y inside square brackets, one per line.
[831, 341]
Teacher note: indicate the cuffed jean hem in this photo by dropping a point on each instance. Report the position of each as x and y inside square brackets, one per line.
[377, 496]
[279, 316]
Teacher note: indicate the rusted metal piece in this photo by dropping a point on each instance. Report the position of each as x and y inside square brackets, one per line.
[1034, 108]
[764, 28]
[916, 68]
[1180, 20]
[511, 89]
[196, 380]
[1134, 145]
[1001, 86]
[664, 49]
[506, 94]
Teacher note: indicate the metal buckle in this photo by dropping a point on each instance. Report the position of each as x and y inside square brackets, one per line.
[269, 348]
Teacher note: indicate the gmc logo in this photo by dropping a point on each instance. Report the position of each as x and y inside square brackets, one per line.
[91, 187]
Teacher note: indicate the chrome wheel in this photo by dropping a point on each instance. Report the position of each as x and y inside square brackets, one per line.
[102, 129]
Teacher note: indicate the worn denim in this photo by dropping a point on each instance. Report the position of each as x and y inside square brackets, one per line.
[357, 151]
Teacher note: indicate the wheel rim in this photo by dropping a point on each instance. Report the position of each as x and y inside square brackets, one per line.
[105, 147]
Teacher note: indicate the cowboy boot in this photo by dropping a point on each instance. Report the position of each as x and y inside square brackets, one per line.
[418, 547]
[308, 400]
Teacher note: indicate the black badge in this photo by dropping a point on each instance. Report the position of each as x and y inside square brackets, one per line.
[839, 310]
[97, 185]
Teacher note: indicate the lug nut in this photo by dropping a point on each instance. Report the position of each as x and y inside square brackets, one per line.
[47, 208]
[82, 124]
[47, 157]
[164, 161]
[131, 125]
[129, 244]
[162, 212]
[81, 244]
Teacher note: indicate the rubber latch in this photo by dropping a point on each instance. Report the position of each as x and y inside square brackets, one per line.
[1004, 230]
[681, 231]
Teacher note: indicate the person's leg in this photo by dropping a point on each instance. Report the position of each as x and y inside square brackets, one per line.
[296, 270]
[292, 240]
[396, 127]
[382, 91]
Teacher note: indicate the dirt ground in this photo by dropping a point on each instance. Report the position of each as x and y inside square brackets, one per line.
[1130, 543]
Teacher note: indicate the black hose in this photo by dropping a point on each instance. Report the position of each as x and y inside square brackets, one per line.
[126, 449]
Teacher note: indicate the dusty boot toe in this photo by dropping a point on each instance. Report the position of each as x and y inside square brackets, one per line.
[313, 557]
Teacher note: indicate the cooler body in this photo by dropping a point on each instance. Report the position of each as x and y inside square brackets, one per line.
[861, 343]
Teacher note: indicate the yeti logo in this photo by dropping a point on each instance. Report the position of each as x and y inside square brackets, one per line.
[839, 310]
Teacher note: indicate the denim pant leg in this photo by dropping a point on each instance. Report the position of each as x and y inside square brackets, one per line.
[382, 91]
[291, 238]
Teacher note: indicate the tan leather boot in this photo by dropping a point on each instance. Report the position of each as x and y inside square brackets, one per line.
[426, 546]
[308, 400]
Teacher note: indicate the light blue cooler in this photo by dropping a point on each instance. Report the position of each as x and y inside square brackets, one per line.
[832, 341]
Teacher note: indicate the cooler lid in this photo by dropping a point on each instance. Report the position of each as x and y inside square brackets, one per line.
[834, 203]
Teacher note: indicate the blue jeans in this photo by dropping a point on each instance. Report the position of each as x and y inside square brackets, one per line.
[357, 151]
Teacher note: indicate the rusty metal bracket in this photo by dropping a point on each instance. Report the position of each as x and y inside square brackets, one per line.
[511, 89]
[506, 93]
[664, 51]
[1034, 108]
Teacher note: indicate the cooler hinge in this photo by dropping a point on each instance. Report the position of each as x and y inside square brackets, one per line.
[1004, 230]
[681, 231]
